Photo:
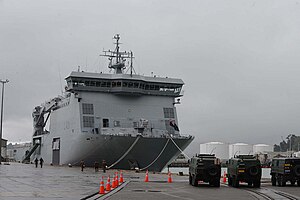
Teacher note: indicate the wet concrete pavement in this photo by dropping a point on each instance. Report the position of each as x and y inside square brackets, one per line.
[24, 181]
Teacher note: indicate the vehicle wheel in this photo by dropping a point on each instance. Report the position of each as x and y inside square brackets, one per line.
[293, 182]
[236, 182]
[229, 181]
[195, 181]
[273, 179]
[212, 170]
[279, 182]
[250, 183]
[297, 170]
[256, 184]
[298, 182]
[253, 171]
[190, 179]
[283, 183]
[217, 182]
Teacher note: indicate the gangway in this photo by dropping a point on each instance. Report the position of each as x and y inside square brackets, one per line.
[31, 151]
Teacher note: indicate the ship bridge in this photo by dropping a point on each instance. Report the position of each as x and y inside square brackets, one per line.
[126, 84]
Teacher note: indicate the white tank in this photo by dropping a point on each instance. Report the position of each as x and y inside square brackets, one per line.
[262, 148]
[220, 149]
[240, 149]
[297, 154]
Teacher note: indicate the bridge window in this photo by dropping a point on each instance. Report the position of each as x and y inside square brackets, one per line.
[87, 83]
[92, 83]
[105, 84]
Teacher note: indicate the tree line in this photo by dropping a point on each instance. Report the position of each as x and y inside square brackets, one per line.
[292, 142]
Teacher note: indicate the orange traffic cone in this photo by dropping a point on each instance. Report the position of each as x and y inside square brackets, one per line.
[121, 177]
[108, 187]
[169, 177]
[113, 185]
[117, 179]
[224, 177]
[147, 177]
[101, 190]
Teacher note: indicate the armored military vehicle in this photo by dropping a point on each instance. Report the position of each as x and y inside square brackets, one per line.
[285, 169]
[206, 168]
[244, 168]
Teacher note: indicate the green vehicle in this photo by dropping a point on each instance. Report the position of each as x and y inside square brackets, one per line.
[206, 168]
[245, 168]
[285, 169]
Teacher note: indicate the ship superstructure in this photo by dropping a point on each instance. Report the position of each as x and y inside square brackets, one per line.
[128, 120]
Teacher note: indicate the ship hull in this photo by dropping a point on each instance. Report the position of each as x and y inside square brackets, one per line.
[126, 152]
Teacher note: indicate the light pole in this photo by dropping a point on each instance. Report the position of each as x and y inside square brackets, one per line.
[289, 137]
[3, 82]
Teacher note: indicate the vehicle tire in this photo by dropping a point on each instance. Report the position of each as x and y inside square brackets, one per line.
[256, 184]
[229, 181]
[250, 183]
[283, 183]
[212, 170]
[194, 181]
[236, 182]
[293, 182]
[298, 182]
[217, 183]
[190, 179]
[253, 171]
[297, 170]
[279, 182]
[273, 179]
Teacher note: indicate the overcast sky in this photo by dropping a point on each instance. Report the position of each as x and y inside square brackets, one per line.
[239, 59]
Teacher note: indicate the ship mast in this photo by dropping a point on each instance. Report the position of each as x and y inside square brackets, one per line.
[117, 58]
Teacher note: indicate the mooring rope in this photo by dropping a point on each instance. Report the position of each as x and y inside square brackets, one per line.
[157, 156]
[125, 154]
[179, 148]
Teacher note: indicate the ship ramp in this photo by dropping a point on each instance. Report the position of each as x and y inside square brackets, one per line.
[31, 151]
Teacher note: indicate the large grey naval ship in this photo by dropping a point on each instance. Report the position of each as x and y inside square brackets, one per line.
[128, 120]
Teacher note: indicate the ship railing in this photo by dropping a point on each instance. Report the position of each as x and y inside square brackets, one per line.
[133, 132]
[185, 136]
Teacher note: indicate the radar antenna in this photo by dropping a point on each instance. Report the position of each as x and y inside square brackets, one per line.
[117, 58]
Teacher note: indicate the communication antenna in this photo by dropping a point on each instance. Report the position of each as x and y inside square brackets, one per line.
[61, 87]
[131, 63]
[212, 150]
